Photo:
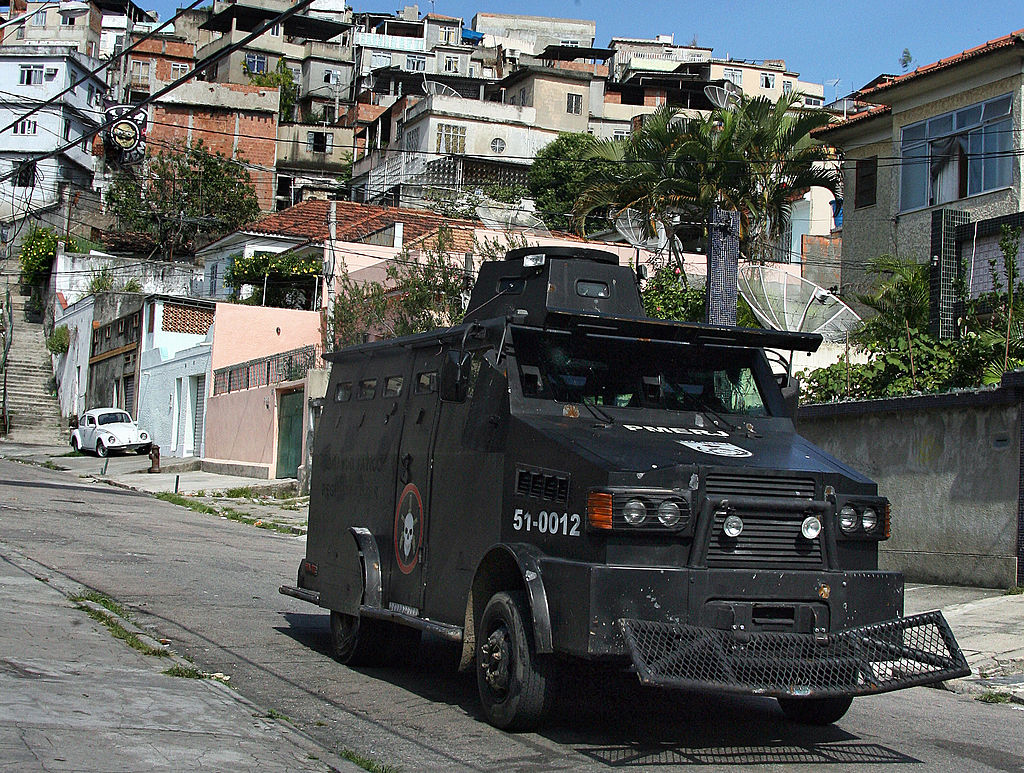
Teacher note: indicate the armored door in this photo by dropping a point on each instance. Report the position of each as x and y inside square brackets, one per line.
[413, 486]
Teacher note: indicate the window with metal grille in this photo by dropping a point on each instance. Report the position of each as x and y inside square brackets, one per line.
[865, 184]
[574, 103]
[451, 138]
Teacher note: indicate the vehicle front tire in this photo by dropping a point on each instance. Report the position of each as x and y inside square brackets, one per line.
[516, 687]
[101, 449]
[144, 450]
[815, 711]
[355, 640]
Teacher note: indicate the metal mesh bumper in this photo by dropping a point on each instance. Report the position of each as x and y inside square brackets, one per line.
[870, 659]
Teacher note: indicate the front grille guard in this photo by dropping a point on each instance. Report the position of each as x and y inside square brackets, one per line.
[869, 659]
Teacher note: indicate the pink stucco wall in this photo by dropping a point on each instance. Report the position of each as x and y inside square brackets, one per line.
[243, 333]
[242, 426]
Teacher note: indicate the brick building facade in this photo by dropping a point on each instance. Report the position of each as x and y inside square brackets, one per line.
[238, 121]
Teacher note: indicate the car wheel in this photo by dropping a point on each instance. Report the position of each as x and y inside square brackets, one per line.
[815, 711]
[516, 686]
[143, 451]
[74, 443]
[355, 640]
[101, 449]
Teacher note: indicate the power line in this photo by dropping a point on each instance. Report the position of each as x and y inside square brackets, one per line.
[300, 5]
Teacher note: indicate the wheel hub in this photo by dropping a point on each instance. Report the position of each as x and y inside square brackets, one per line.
[497, 658]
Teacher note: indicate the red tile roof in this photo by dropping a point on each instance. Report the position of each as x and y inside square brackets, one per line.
[1007, 41]
[874, 112]
[355, 221]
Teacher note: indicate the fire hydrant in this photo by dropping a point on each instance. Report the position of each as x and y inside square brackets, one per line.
[154, 458]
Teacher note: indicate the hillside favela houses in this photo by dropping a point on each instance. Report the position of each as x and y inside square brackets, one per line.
[348, 123]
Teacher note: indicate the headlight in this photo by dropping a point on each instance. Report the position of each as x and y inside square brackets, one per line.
[848, 520]
[869, 519]
[143, 436]
[668, 513]
[634, 512]
[811, 527]
[733, 526]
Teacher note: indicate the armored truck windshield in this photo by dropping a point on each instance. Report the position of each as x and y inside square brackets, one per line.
[626, 373]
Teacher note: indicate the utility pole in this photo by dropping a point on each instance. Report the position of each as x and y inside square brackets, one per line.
[723, 262]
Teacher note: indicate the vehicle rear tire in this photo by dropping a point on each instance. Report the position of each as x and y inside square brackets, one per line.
[815, 711]
[101, 449]
[356, 641]
[516, 686]
[74, 443]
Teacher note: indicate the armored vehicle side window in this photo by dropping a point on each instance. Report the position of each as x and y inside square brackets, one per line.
[367, 389]
[343, 392]
[393, 386]
[586, 288]
[629, 373]
[426, 382]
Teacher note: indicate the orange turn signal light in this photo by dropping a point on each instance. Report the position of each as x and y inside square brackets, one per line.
[599, 509]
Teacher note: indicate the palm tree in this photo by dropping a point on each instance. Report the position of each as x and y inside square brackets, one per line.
[900, 301]
[756, 158]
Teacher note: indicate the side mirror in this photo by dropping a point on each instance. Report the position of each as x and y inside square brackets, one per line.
[455, 376]
[641, 272]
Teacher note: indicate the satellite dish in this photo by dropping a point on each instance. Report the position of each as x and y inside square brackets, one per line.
[725, 96]
[640, 230]
[784, 301]
[435, 88]
[506, 217]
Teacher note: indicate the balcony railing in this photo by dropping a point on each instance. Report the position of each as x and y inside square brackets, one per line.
[267, 371]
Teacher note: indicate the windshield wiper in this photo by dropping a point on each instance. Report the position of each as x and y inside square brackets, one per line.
[598, 413]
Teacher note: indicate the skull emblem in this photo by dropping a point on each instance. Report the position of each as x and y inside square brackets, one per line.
[407, 535]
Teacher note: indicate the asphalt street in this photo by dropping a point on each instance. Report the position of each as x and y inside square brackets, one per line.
[210, 586]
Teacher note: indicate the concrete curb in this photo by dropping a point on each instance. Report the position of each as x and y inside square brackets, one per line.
[70, 588]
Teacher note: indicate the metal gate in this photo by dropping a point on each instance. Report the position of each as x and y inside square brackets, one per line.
[199, 416]
[289, 434]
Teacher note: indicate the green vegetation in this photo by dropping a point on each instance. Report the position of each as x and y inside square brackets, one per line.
[275, 714]
[183, 195]
[560, 171]
[748, 158]
[367, 763]
[120, 632]
[667, 295]
[226, 512]
[904, 358]
[994, 696]
[104, 601]
[37, 253]
[288, 279]
[416, 296]
[282, 80]
[242, 492]
[1016, 590]
[185, 672]
[59, 340]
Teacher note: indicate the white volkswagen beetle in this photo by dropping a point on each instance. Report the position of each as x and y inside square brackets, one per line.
[104, 430]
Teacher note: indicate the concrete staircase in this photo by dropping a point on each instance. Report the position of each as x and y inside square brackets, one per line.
[32, 408]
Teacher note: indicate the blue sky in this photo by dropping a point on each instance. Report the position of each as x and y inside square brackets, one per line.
[823, 41]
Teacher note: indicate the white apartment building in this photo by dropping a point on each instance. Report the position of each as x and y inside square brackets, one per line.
[34, 74]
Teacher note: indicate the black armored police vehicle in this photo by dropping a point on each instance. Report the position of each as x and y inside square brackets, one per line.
[560, 477]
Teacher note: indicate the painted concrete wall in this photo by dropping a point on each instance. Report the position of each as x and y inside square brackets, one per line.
[162, 384]
[950, 465]
[242, 426]
[73, 272]
[71, 370]
[244, 333]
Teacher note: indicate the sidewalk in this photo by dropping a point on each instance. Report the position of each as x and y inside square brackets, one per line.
[270, 502]
[72, 697]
